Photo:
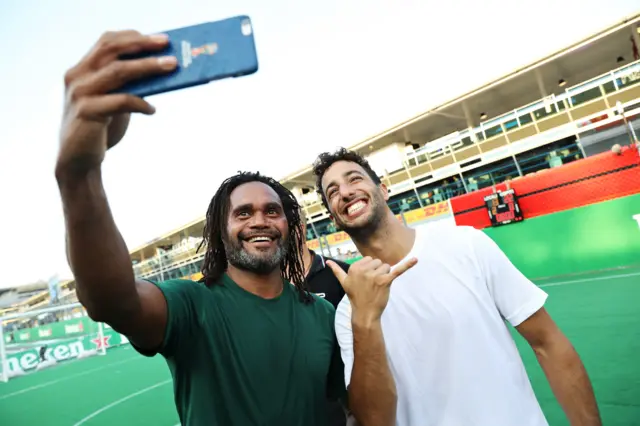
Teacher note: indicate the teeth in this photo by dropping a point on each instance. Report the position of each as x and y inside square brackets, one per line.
[259, 239]
[356, 207]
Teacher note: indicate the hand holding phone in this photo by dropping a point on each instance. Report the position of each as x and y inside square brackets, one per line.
[205, 52]
[95, 118]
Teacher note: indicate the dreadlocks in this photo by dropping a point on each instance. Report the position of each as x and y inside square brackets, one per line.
[215, 231]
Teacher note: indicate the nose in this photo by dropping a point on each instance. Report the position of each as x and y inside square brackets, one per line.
[346, 192]
[259, 220]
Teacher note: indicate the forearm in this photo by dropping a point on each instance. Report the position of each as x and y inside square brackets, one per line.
[372, 391]
[97, 254]
[569, 382]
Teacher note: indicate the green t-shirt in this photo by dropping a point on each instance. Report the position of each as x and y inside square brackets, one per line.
[238, 359]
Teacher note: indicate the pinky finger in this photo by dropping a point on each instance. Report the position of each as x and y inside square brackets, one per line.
[104, 106]
[403, 267]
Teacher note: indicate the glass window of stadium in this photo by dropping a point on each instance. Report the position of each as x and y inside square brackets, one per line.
[404, 202]
[548, 156]
[322, 227]
[490, 174]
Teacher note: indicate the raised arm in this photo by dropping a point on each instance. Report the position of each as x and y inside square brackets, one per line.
[95, 119]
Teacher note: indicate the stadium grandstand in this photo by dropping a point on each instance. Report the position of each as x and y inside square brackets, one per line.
[545, 160]
[35, 296]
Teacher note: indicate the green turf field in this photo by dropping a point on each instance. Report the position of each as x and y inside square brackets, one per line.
[599, 312]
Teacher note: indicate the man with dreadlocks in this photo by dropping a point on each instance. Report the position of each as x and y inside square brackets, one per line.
[245, 346]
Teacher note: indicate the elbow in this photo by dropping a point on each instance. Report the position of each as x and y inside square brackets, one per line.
[558, 347]
[85, 301]
[96, 315]
[94, 311]
[118, 318]
[539, 350]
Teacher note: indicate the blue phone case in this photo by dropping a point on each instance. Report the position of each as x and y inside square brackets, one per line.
[205, 52]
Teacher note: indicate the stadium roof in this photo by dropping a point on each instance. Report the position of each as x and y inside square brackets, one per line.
[580, 62]
[23, 295]
[20, 294]
[147, 250]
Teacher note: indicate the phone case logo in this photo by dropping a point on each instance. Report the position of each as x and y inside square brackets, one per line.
[190, 53]
[207, 49]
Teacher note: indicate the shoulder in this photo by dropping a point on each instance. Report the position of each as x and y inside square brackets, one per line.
[319, 314]
[343, 311]
[180, 288]
[342, 323]
[443, 227]
[447, 235]
[460, 243]
[320, 309]
[322, 305]
[478, 242]
[179, 284]
[318, 304]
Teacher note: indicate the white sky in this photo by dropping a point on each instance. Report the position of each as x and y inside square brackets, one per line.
[331, 73]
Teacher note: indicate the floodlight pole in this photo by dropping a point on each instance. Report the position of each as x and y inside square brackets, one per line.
[315, 231]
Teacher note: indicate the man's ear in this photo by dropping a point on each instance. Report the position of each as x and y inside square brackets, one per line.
[303, 227]
[385, 191]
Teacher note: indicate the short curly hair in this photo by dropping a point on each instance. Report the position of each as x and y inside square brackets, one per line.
[327, 159]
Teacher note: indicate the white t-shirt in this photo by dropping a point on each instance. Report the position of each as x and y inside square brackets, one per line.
[449, 349]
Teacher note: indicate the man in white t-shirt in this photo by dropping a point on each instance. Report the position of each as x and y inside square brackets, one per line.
[449, 352]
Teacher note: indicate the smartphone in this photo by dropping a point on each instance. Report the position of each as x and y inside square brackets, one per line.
[205, 52]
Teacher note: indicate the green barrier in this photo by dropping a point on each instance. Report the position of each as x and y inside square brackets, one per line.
[61, 350]
[56, 330]
[590, 238]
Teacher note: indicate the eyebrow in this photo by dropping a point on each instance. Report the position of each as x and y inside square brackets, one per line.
[250, 207]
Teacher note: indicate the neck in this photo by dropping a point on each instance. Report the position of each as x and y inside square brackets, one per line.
[267, 286]
[390, 242]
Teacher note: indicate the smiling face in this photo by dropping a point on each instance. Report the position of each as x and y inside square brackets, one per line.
[257, 229]
[355, 201]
